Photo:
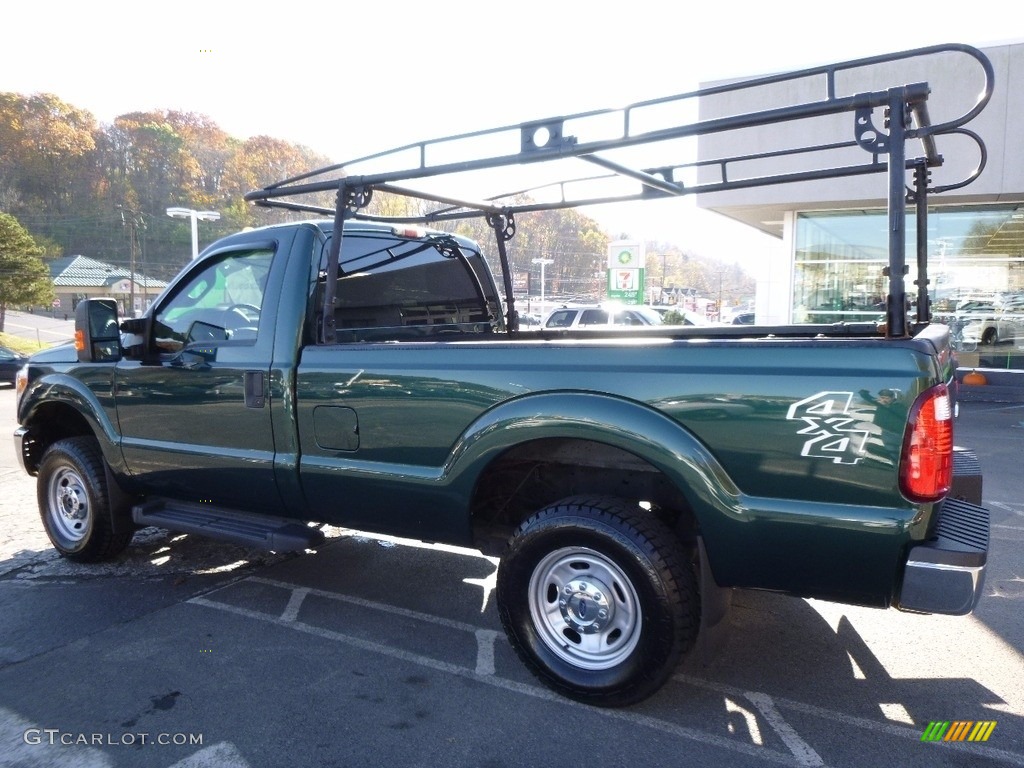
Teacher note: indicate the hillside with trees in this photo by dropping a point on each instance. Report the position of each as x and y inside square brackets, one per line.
[102, 190]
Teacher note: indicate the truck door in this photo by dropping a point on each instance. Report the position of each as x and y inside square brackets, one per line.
[194, 412]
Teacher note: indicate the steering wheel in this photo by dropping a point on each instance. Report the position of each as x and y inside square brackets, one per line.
[249, 313]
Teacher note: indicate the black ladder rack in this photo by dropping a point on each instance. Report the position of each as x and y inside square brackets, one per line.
[905, 141]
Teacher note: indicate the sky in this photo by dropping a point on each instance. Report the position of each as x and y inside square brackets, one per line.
[348, 79]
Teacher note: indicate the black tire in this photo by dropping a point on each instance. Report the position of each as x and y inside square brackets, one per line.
[989, 337]
[598, 600]
[71, 489]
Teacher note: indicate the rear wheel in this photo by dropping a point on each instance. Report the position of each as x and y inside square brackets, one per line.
[598, 600]
[73, 502]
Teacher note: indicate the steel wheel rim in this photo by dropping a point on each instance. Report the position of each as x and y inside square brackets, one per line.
[585, 609]
[68, 506]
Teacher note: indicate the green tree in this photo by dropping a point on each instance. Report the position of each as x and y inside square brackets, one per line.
[24, 279]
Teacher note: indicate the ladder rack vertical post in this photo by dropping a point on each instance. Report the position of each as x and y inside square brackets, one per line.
[896, 304]
[924, 309]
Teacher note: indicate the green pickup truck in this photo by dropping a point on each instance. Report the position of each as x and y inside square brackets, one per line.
[371, 374]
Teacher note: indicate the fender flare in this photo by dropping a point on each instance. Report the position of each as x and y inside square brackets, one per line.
[76, 394]
[635, 427]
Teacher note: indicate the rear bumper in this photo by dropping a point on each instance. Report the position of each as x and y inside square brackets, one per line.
[947, 574]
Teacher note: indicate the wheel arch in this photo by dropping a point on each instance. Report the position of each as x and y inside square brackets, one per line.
[62, 406]
[623, 441]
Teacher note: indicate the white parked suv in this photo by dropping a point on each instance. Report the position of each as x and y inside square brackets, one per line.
[607, 316]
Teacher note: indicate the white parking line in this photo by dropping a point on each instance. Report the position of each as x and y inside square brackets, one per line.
[875, 726]
[749, 718]
[802, 751]
[20, 747]
[223, 755]
[635, 718]
[291, 611]
[1011, 508]
[485, 651]
[363, 603]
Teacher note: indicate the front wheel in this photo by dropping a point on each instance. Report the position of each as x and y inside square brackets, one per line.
[73, 501]
[598, 600]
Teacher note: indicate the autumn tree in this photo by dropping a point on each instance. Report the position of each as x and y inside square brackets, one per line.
[24, 279]
[257, 162]
[102, 191]
[574, 241]
[47, 152]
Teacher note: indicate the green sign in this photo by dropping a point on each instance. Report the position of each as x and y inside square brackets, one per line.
[626, 272]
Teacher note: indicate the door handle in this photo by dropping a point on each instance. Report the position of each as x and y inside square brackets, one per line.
[255, 389]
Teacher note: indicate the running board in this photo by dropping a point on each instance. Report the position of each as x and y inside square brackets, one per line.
[276, 534]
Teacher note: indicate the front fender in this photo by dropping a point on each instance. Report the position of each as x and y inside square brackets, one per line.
[58, 404]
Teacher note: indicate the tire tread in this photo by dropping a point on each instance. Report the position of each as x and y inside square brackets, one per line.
[662, 549]
[102, 542]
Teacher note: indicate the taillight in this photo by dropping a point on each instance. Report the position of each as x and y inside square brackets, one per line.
[926, 466]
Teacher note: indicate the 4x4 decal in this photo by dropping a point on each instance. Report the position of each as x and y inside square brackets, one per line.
[836, 429]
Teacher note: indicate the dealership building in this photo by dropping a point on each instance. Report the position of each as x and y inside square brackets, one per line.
[834, 231]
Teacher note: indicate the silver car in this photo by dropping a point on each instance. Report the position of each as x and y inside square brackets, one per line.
[608, 316]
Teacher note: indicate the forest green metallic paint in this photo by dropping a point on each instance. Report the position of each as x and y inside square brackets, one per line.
[767, 513]
[719, 417]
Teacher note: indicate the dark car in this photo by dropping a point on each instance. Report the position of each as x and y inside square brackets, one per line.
[10, 362]
[743, 318]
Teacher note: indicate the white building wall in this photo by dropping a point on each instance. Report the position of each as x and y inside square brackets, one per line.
[955, 82]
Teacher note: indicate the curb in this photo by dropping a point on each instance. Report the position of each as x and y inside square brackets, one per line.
[1003, 386]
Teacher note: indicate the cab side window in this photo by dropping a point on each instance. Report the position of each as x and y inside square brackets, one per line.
[594, 317]
[220, 302]
[561, 319]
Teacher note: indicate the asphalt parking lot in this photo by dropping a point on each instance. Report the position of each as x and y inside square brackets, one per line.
[186, 652]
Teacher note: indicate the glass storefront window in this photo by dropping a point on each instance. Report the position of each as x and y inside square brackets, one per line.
[975, 268]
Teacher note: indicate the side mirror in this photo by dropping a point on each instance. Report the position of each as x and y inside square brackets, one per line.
[97, 336]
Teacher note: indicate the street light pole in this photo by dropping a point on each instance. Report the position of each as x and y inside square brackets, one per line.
[195, 216]
[543, 263]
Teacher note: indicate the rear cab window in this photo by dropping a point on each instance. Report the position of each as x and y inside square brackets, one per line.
[392, 287]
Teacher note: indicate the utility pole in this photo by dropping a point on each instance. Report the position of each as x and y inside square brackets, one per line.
[132, 221]
[664, 280]
[721, 272]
